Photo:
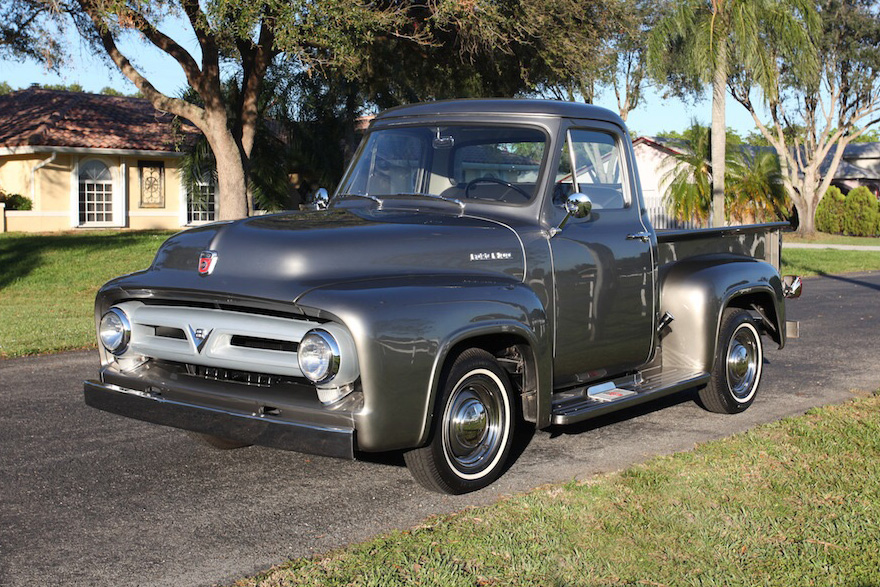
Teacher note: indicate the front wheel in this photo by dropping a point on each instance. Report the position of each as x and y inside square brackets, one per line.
[473, 428]
[739, 361]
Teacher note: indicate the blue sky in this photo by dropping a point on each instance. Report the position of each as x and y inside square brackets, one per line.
[93, 73]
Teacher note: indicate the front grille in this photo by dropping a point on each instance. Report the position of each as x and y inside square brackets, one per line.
[270, 344]
[168, 332]
[233, 376]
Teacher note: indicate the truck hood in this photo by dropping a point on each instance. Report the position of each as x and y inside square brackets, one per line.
[283, 256]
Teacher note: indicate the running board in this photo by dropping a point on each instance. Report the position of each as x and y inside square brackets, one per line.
[589, 402]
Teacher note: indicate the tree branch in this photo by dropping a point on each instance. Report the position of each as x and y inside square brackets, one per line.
[207, 42]
[176, 106]
[168, 45]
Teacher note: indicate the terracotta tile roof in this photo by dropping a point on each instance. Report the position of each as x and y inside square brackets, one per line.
[41, 117]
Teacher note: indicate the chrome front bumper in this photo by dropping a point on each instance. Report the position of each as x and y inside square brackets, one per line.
[262, 429]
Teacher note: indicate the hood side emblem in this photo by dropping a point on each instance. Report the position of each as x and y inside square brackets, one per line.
[207, 262]
[199, 337]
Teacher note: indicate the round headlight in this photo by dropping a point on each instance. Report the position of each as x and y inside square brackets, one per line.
[115, 331]
[318, 356]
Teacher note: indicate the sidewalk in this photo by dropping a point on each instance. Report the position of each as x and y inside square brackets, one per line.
[786, 245]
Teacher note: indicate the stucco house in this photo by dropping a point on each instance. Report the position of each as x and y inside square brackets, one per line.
[94, 161]
[655, 158]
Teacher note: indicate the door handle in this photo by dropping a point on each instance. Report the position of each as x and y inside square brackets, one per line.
[639, 236]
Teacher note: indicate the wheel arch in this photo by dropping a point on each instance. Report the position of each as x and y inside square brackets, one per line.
[513, 345]
[761, 301]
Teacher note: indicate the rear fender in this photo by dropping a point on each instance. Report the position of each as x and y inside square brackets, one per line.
[696, 291]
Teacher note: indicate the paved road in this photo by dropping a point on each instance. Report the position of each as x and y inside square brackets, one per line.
[88, 498]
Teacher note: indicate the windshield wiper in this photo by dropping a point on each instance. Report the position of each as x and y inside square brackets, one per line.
[436, 197]
[367, 196]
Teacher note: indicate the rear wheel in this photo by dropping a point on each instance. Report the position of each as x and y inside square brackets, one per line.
[739, 362]
[473, 428]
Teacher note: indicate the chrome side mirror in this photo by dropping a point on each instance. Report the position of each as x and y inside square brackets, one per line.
[792, 287]
[577, 205]
[321, 200]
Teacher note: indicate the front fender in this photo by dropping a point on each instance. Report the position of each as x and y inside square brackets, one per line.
[404, 329]
[697, 290]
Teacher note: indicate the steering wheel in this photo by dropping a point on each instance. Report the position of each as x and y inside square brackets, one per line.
[487, 179]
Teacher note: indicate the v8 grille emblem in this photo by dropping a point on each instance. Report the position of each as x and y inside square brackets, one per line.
[199, 337]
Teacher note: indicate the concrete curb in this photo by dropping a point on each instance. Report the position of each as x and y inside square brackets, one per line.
[830, 246]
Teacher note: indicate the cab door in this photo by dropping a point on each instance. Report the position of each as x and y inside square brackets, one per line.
[603, 263]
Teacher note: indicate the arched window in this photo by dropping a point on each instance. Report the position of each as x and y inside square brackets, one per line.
[95, 193]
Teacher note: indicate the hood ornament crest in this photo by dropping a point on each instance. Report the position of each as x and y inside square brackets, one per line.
[207, 262]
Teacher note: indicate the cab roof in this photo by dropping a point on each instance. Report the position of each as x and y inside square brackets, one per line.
[501, 106]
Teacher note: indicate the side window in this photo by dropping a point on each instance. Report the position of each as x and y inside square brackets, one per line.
[590, 163]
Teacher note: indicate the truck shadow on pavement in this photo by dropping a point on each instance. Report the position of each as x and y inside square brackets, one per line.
[851, 280]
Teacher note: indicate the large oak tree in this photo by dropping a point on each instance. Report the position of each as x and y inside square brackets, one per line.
[248, 36]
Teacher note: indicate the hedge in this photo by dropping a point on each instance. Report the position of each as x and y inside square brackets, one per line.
[856, 214]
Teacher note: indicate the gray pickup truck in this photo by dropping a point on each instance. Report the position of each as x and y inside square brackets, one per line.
[485, 266]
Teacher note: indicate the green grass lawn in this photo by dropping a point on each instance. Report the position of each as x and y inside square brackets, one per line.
[792, 503]
[820, 238]
[48, 285]
[807, 262]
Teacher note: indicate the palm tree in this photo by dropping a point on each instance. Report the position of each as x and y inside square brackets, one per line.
[755, 190]
[688, 196]
[701, 41]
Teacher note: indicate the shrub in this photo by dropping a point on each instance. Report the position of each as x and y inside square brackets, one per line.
[829, 212]
[861, 213]
[16, 201]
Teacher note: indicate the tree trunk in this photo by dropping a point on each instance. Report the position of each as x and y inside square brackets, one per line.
[719, 133]
[231, 197]
[806, 213]
[807, 202]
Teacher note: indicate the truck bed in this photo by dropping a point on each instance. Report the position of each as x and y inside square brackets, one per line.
[760, 241]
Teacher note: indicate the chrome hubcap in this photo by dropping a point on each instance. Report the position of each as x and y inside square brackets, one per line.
[742, 363]
[469, 424]
[473, 424]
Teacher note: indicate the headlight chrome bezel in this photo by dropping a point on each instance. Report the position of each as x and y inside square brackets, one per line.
[330, 360]
[122, 345]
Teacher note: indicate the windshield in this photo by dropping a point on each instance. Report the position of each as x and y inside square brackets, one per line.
[461, 162]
